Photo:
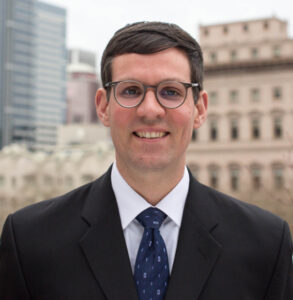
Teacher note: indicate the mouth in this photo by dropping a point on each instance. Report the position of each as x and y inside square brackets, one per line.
[151, 134]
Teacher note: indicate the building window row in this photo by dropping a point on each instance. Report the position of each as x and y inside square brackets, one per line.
[277, 129]
[245, 28]
[254, 95]
[48, 180]
[255, 171]
[234, 129]
[254, 54]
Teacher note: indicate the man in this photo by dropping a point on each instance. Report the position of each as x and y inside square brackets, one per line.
[147, 229]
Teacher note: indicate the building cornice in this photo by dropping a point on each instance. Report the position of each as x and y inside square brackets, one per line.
[249, 66]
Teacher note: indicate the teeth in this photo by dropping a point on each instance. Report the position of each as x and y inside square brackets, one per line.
[151, 135]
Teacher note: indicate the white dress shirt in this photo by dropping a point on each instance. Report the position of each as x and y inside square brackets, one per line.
[131, 204]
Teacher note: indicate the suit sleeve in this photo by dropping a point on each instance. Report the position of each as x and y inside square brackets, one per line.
[281, 284]
[12, 282]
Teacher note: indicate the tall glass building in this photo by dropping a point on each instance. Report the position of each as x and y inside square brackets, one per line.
[32, 73]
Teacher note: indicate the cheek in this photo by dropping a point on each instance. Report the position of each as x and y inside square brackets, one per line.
[184, 120]
[119, 117]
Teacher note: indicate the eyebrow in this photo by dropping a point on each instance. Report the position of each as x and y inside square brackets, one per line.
[165, 79]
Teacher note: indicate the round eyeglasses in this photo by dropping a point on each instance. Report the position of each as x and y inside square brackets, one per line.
[130, 93]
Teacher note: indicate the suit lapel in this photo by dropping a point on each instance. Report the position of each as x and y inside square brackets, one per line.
[103, 244]
[197, 250]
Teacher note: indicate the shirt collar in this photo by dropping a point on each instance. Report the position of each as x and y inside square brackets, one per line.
[130, 203]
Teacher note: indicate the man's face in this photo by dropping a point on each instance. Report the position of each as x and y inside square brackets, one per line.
[169, 130]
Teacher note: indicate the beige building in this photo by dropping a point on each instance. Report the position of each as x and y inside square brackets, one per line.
[82, 136]
[246, 146]
[27, 177]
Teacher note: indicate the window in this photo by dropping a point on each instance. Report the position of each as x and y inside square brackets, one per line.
[206, 32]
[29, 179]
[256, 177]
[234, 177]
[255, 95]
[194, 169]
[225, 29]
[277, 93]
[213, 130]
[278, 176]
[77, 119]
[13, 182]
[2, 181]
[277, 127]
[68, 181]
[245, 27]
[213, 57]
[276, 51]
[87, 178]
[266, 25]
[233, 97]
[214, 176]
[254, 53]
[194, 135]
[213, 98]
[233, 55]
[48, 180]
[255, 128]
[234, 129]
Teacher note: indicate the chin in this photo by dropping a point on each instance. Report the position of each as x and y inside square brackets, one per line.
[151, 164]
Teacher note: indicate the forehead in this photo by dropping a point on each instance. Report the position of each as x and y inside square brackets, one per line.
[150, 68]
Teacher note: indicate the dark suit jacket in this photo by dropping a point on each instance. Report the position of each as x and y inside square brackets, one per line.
[73, 248]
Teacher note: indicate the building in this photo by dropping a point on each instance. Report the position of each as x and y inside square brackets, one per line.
[82, 58]
[50, 76]
[27, 177]
[32, 73]
[82, 85]
[246, 146]
[17, 72]
[82, 136]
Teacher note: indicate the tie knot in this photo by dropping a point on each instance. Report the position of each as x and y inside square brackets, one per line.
[151, 218]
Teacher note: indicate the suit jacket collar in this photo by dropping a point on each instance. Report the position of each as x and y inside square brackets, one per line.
[103, 243]
[197, 250]
[196, 254]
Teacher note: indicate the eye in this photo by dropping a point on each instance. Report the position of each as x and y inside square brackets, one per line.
[131, 91]
[128, 90]
[170, 93]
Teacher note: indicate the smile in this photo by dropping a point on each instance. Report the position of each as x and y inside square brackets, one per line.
[151, 135]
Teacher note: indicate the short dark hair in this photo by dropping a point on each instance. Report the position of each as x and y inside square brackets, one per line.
[152, 37]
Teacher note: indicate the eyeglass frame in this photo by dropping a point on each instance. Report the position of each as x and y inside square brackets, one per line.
[155, 87]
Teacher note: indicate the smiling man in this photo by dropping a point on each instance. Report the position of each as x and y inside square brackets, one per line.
[151, 112]
[146, 229]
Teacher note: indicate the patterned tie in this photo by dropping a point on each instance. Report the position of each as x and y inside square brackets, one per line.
[151, 271]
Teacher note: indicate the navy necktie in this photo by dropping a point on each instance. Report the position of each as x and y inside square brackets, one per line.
[151, 272]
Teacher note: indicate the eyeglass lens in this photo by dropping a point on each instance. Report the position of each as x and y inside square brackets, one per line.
[170, 93]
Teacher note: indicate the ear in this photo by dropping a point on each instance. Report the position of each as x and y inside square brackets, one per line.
[201, 106]
[102, 106]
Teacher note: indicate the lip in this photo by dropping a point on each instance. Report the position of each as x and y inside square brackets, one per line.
[150, 134]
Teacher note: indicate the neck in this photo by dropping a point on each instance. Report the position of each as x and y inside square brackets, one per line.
[152, 185]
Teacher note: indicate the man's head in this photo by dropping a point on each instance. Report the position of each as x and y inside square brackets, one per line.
[148, 73]
[153, 37]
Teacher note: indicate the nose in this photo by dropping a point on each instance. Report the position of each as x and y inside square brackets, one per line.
[150, 108]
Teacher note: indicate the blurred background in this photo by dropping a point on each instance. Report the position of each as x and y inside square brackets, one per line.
[52, 142]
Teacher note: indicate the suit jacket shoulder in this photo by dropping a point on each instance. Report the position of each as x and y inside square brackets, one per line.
[240, 250]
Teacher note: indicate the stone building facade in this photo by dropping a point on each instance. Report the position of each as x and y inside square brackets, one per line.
[27, 177]
[246, 144]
